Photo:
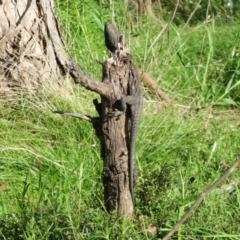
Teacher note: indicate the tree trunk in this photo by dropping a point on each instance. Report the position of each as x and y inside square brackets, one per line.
[30, 45]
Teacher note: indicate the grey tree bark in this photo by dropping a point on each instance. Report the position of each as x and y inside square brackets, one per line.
[31, 48]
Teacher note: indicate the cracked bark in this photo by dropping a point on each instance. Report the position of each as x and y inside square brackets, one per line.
[31, 49]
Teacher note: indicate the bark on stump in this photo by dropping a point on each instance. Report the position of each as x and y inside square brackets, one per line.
[115, 141]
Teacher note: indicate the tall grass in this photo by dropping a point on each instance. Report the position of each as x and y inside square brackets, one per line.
[50, 181]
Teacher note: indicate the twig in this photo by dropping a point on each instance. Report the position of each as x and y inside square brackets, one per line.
[201, 197]
[76, 115]
[95, 121]
[152, 85]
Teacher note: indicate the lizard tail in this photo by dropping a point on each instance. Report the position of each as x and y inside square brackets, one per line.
[131, 159]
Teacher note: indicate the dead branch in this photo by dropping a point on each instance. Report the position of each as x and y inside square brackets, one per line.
[77, 115]
[95, 121]
[79, 77]
[201, 197]
[151, 84]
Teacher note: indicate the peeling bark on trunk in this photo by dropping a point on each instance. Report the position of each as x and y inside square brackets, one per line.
[31, 50]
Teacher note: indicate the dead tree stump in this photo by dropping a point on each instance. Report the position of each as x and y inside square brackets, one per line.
[113, 131]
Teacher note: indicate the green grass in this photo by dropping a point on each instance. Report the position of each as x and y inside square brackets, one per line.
[50, 181]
